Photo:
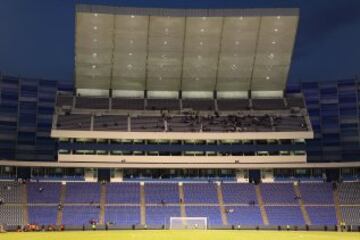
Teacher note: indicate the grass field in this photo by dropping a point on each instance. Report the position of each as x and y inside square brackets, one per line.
[180, 235]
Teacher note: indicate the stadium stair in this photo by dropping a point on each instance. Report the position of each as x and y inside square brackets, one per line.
[337, 206]
[221, 204]
[59, 216]
[261, 205]
[142, 205]
[24, 200]
[182, 204]
[102, 204]
[92, 123]
[302, 207]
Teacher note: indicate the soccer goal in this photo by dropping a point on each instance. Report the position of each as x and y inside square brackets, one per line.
[188, 223]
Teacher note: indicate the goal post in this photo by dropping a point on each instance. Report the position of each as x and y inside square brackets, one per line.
[188, 223]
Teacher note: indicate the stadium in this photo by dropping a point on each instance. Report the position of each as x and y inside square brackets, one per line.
[180, 123]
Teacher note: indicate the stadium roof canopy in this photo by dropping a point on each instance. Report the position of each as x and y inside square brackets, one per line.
[183, 49]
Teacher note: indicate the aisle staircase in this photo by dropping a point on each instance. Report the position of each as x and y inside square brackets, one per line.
[24, 200]
[182, 203]
[59, 216]
[261, 205]
[102, 203]
[302, 206]
[337, 207]
[221, 204]
[142, 205]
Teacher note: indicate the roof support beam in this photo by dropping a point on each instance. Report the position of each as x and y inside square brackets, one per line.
[255, 54]
[183, 55]
[219, 53]
[147, 54]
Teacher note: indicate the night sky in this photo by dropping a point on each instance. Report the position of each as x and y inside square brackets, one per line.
[37, 36]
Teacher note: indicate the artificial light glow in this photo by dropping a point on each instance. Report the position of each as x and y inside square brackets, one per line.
[273, 42]
[201, 43]
[95, 14]
[94, 54]
[241, 18]
[165, 42]
[278, 17]
[95, 27]
[132, 16]
[203, 18]
[130, 54]
[93, 66]
[276, 30]
[131, 41]
[237, 42]
[202, 30]
[271, 55]
[267, 77]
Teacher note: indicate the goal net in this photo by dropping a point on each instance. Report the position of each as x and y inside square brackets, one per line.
[188, 223]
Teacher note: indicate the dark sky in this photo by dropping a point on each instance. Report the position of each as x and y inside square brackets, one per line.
[37, 36]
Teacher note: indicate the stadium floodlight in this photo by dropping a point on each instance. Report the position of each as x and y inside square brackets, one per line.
[188, 223]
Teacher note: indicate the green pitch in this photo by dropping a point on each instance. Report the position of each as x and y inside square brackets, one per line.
[181, 235]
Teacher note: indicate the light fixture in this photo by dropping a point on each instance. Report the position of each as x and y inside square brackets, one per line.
[95, 14]
[165, 42]
[132, 16]
[241, 18]
[130, 53]
[95, 27]
[204, 18]
[93, 66]
[276, 30]
[202, 30]
[278, 17]
[267, 77]
[273, 42]
[94, 54]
